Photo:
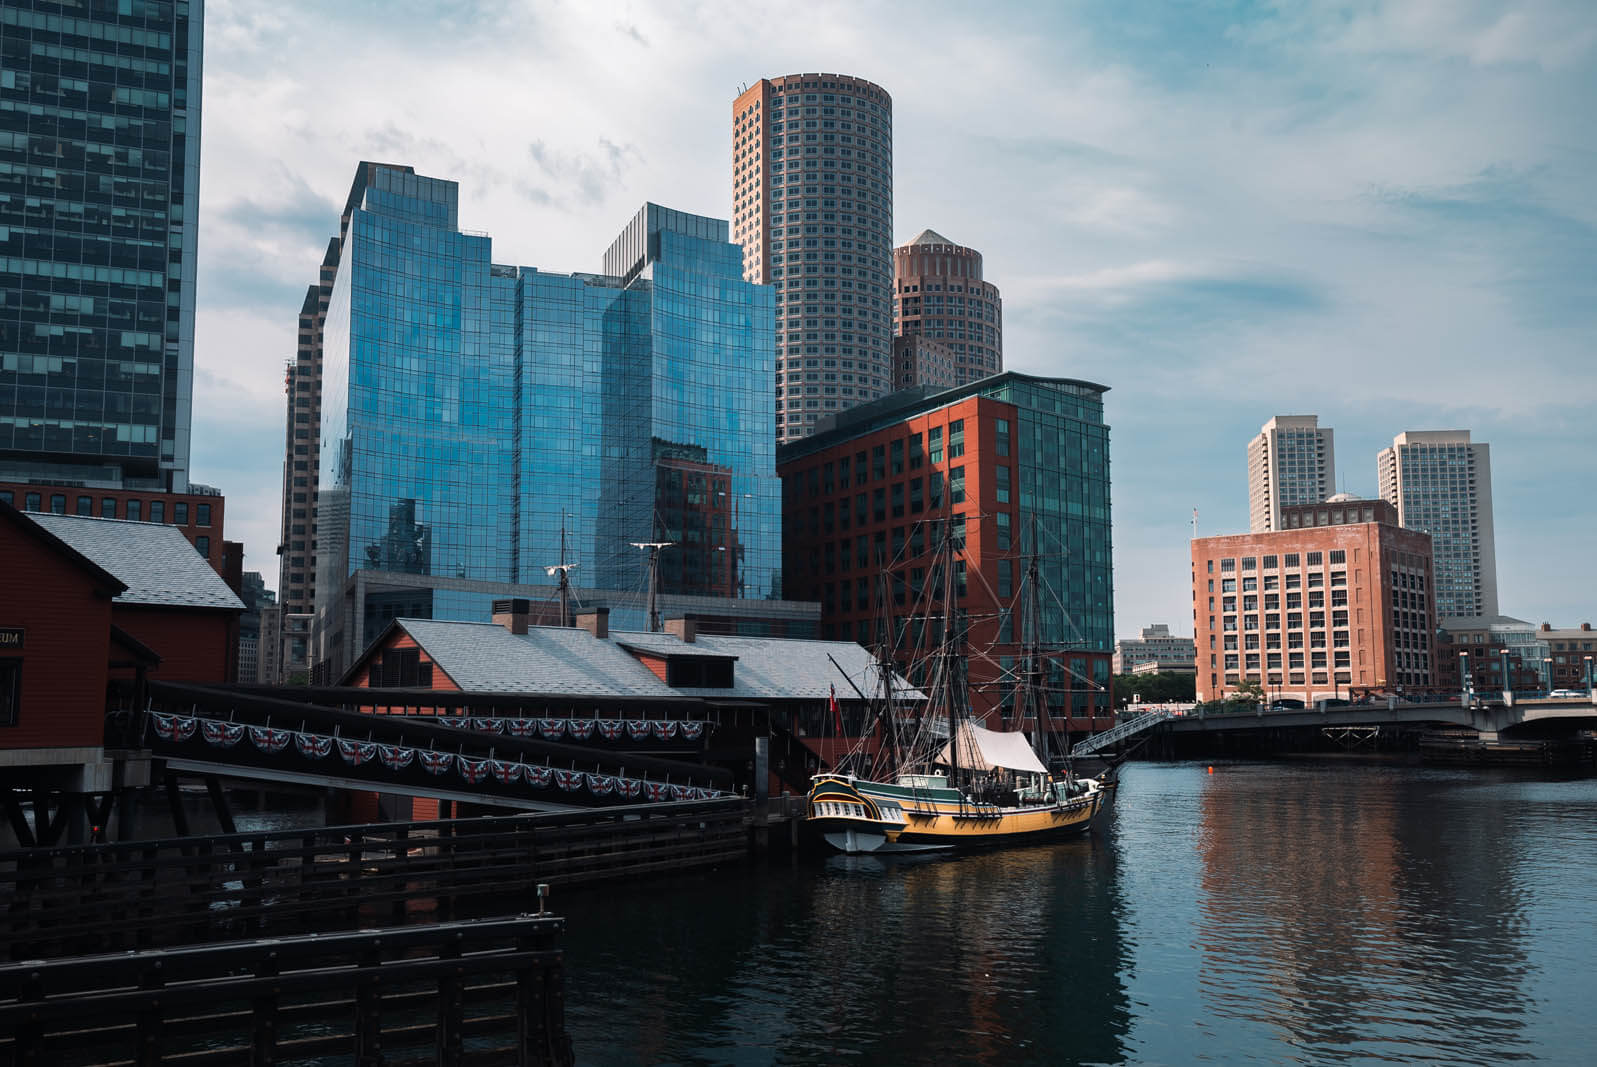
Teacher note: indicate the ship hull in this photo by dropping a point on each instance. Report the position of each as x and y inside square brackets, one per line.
[855, 816]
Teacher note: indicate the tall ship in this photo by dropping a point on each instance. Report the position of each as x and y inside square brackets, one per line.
[926, 776]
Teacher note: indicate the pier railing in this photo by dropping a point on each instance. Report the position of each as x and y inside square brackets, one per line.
[490, 991]
[145, 894]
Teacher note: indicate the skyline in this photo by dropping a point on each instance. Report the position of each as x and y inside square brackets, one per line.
[1149, 233]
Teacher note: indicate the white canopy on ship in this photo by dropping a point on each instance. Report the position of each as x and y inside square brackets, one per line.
[984, 750]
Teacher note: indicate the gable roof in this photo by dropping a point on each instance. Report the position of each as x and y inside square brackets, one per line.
[487, 658]
[98, 574]
[156, 563]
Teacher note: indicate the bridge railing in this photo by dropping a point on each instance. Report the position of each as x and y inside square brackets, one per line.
[143, 894]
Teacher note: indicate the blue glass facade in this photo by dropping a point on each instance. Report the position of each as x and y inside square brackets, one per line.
[99, 196]
[471, 412]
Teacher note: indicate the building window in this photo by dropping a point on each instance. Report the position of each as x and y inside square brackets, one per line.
[10, 690]
[1001, 436]
[201, 544]
[1338, 556]
[86, 506]
[934, 443]
[180, 512]
[202, 514]
[956, 439]
[157, 511]
[956, 482]
[1002, 490]
[108, 507]
[135, 510]
[58, 503]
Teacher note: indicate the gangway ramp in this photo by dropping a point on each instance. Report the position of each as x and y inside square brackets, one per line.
[1119, 732]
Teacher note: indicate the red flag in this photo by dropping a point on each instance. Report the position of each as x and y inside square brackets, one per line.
[837, 712]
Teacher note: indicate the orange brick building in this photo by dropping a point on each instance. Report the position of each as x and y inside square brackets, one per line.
[1340, 606]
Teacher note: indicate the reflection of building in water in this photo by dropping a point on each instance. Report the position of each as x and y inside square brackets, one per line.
[1344, 912]
[482, 422]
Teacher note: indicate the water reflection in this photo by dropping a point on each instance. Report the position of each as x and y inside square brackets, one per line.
[1005, 957]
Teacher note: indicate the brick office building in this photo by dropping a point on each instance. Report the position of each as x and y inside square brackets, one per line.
[197, 513]
[874, 490]
[1338, 604]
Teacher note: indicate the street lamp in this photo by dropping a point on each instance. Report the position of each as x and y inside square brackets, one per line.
[1508, 679]
[1464, 679]
[1547, 662]
[1588, 677]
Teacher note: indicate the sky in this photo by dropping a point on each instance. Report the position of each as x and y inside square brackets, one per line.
[1384, 214]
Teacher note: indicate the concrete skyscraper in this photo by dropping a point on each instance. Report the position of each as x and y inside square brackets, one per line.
[1441, 482]
[812, 206]
[1290, 462]
[938, 293]
[99, 197]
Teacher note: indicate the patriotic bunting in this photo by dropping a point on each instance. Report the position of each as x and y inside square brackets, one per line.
[436, 762]
[552, 729]
[570, 781]
[539, 777]
[505, 772]
[611, 729]
[579, 729]
[396, 757]
[221, 734]
[521, 727]
[665, 729]
[692, 731]
[162, 724]
[356, 752]
[488, 726]
[657, 791]
[631, 788]
[600, 785]
[459, 722]
[472, 770]
[681, 792]
[639, 729]
[313, 746]
[269, 740]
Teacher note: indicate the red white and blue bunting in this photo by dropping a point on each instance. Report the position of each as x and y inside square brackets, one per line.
[575, 728]
[272, 740]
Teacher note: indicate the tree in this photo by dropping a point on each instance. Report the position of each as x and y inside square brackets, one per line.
[1173, 687]
[1249, 691]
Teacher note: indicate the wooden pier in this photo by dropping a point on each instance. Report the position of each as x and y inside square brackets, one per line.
[194, 890]
[483, 992]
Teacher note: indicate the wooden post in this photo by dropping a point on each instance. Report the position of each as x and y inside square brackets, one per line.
[450, 1045]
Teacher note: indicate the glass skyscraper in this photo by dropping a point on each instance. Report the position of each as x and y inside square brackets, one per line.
[473, 414]
[99, 195]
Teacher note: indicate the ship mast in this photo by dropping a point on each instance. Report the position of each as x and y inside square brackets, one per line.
[654, 579]
[562, 568]
[948, 669]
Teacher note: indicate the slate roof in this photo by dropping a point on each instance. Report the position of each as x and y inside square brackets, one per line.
[487, 658]
[157, 563]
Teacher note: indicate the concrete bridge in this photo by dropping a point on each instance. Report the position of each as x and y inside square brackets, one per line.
[1489, 717]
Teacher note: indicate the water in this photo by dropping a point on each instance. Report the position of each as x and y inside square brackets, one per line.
[1267, 913]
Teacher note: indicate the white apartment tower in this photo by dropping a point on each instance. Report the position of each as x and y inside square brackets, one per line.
[1292, 461]
[1441, 483]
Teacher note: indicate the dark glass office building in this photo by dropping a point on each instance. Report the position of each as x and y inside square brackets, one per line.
[474, 414]
[99, 191]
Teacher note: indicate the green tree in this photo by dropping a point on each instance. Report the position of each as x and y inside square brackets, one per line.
[1172, 687]
[1250, 691]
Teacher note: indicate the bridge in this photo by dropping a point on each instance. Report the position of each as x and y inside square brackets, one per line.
[1488, 718]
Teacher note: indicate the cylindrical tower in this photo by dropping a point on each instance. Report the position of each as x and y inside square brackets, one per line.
[812, 206]
[939, 294]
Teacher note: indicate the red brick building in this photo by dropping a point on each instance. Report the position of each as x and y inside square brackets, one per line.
[197, 514]
[1324, 610]
[875, 491]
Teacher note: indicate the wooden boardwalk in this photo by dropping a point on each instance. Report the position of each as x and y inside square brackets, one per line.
[67, 901]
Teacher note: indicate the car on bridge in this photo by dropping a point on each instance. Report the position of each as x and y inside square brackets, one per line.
[1567, 694]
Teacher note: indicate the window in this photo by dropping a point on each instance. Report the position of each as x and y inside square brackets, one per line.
[1001, 436]
[934, 443]
[1269, 563]
[956, 439]
[1249, 563]
[956, 483]
[1228, 566]
[202, 545]
[58, 503]
[1250, 585]
[157, 511]
[1002, 485]
[1315, 559]
[135, 510]
[108, 507]
[31, 502]
[202, 514]
[1228, 585]
[180, 512]
[1291, 559]
[10, 690]
[1338, 556]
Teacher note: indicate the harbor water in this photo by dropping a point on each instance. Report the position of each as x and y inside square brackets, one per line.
[1320, 912]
